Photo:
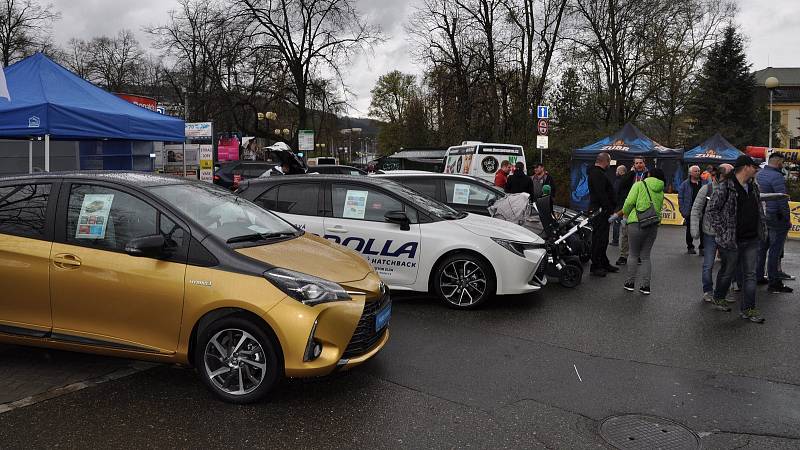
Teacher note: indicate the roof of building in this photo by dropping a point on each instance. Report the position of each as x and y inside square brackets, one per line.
[787, 76]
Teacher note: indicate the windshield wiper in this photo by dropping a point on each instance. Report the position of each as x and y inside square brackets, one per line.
[258, 237]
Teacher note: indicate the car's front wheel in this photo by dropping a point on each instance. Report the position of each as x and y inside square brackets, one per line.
[463, 281]
[237, 360]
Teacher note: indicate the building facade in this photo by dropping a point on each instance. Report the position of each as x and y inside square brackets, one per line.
[785, 102]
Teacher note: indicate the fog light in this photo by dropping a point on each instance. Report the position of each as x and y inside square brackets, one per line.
[313, 347]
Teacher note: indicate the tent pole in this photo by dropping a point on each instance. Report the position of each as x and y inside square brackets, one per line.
[47, 153]
[30, 156]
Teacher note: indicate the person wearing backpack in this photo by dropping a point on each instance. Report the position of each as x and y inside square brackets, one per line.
[642, 210]
[701, 227]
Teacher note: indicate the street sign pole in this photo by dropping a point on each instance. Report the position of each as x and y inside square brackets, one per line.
[542, 130]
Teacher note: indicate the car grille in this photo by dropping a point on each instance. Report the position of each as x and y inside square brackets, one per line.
[365, 336]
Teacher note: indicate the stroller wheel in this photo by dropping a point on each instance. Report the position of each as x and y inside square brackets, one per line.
[571, 275]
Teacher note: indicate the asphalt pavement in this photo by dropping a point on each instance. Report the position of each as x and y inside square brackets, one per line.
[535, 371]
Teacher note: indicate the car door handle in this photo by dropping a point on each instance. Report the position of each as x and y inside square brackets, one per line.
[66, 261]
[336, 229]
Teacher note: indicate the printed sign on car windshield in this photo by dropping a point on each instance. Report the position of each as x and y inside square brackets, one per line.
[93, 218]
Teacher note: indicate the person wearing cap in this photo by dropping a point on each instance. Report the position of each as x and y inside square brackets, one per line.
[737, 219]
[518, 181]
[540, 179]
[770, 181]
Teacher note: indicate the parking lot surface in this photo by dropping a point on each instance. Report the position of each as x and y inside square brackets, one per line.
[536, 371]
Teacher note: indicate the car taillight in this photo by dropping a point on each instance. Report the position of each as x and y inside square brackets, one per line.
[216, 178]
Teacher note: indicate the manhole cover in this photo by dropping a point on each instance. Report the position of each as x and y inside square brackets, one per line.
[633, 431]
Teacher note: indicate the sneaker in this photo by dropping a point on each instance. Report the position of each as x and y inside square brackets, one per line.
[762, 281]
[621, 261]
[737, 288]
[753, 315]
[629, 286]
[598, 272]
[785, 276]
[780, 288]
[691, 251]
[708, 297]
[645, 290]
[721, 305]
[611, 269]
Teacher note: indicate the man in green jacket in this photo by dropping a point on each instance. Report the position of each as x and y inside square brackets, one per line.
[643, 194]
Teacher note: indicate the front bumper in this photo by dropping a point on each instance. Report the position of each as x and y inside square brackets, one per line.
[521, 275]
[344, 330]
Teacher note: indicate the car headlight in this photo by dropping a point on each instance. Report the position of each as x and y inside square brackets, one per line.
[518, 248]
[305, 288]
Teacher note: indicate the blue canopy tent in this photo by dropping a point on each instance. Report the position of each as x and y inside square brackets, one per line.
[623, 146]
[715, 150]
[50, 102]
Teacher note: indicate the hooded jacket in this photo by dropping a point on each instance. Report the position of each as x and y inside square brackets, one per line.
[700, 210]
[638, 199]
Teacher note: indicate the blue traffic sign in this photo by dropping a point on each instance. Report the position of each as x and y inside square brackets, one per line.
[542, 112]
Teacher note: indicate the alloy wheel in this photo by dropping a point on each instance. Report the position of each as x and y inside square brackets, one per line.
[463, 283]
[235, 361]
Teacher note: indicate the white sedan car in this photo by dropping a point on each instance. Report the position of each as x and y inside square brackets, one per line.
[414, 242]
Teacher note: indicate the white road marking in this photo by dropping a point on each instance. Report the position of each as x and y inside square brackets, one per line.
[135, 367]
[576, 373]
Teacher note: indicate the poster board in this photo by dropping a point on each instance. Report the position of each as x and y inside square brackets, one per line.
[93, 218]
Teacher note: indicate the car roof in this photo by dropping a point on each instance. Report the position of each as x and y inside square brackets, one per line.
[130, 178]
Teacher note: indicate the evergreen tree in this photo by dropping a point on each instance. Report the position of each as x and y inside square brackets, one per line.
[724, 100]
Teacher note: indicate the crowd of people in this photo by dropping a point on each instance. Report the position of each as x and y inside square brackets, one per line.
[738, 214]
[517, 181]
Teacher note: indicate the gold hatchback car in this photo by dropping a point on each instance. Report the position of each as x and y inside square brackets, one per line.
[169, 270]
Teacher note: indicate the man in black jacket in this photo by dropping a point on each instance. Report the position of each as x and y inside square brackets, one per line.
[519, 182]
[601, 195]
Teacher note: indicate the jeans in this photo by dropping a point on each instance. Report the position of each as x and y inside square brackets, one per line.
[772, 250]
[615, 231]
[710, 245]
[641, 244]
[745, 257]
[600, 228]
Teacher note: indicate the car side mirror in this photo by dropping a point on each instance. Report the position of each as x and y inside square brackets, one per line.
[398, 217]
[147, 246]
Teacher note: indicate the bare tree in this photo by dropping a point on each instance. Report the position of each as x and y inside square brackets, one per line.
[78, 56]
[114, 60]
[24, 28]
[311, 37]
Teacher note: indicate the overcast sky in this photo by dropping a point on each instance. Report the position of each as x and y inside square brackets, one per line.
[771, 26]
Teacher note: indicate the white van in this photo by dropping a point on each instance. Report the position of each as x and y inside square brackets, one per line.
[481, 159]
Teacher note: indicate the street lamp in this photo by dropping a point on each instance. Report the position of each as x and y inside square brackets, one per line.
[771, 83]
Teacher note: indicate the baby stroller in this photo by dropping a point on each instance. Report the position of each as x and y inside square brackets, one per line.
[564, 242]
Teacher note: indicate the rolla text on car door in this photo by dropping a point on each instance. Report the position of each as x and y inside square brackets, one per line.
[359, 221]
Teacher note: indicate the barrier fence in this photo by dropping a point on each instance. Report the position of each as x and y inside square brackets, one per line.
[670, 215]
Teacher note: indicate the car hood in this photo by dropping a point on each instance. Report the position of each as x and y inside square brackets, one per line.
[496, 228]
[312, 255]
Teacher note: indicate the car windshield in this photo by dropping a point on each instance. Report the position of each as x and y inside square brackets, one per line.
[427, 204]
[223, 214]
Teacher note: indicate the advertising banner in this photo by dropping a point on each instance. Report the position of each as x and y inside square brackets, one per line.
[670, 215]
[207, 163]
[228, 148]
[140, 100]
[794, 213]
